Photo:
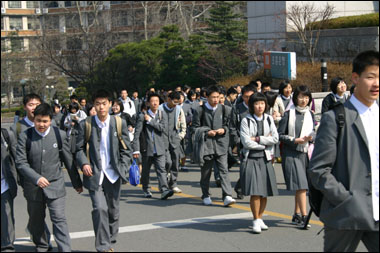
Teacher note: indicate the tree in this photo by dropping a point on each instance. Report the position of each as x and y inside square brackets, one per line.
[302, 18]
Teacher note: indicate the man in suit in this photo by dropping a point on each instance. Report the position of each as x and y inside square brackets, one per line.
[105, 168]
[176, 132]
[38, 159]
[8, 190]
[345, 168]
[214, 118]
[137, 101]
[30, 102]
[150, 141]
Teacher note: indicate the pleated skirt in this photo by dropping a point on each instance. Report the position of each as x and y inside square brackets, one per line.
[294, 165]
[258, 178]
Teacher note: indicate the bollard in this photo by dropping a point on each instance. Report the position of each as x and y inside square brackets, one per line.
[325, 84]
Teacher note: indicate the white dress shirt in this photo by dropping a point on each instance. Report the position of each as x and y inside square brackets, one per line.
[129, 106]
[210, 107]
[105, 152]
[370, 120]
[30, 123]
[44, 133]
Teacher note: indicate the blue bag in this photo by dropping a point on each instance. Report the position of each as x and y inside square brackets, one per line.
[134, 174]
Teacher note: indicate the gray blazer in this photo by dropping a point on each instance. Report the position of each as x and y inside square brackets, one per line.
[158, 127]
[213, 121]
[43, 160]
[120, 158]
[24, 126]
[7, 163]
[342, 172]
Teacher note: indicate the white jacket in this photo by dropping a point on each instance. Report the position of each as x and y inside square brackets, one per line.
[267, 141]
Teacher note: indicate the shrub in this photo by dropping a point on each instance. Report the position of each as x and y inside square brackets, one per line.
[366, 20]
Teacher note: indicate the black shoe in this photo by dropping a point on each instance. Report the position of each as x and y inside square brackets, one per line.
[302, 223]
[239, 194]
[147, 194]
[218, 183]
[166, 194]
[297, 219]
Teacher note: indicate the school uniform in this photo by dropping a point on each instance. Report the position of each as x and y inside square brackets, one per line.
[257, 172]
[110, 164]
[151, 142]
[8, 191]
[210, 118]
[176, 133]
[281, 105]
[346, 171]
[43, 160]
[331, 99]
[295, 124]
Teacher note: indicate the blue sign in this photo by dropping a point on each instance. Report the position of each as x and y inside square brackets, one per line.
[282, 65]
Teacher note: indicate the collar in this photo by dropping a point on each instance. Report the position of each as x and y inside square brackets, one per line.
[360, 107]
[246, 106]
[44, 133]
[30, 123]
[167, 107]
[210, 107]
[153, 115]
[126, 100]
[102, 124]
[286, 98]
[257, 118]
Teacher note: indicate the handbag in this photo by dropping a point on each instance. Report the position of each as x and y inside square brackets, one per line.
[310, 150]
[134, 174]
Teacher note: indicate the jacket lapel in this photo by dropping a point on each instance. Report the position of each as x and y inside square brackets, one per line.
[358, 122]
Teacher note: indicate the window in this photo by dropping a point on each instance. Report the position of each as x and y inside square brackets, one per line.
[120, 18]
[51, 22]
[33, 23]
[117, 2]
[15, 23]
[32, 4]
[50, 4]
[72, 21]
[2, 23]
[14, 4]
[17, 44]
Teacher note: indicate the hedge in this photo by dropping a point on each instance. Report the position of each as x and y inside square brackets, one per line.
[365, 20]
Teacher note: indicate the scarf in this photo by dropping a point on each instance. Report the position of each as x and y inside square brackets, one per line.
[307, 126]
[290, 104]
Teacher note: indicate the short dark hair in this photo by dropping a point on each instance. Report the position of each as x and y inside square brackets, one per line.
[248, 88]
[74, 97]
[212, 89]
[80, 100]
[265, 84]
[271, 98]
[101, 94]
[253, 83]
[231, 90]
[365, 59]
[334, 83]
[117, 101]
[283, 85]
[73, 106]
[191, 93]
[31, 96]
[175, 95]
[256, 98]
[89, 107]
[153, 94]
[301, 90]
[44, 109]
[352, 89]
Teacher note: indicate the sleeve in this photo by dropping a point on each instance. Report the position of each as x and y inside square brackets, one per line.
[283, 130]
[68, 161]
[125, 154]
[325, 104]
[323, 160]
[138, 132]
[273, 138]
[183, 127]
[80, 145]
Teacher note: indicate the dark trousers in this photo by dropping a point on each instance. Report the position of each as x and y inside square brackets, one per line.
[7, 223]
[159, 165]
[348, 240]
[172, 165]
[37, 214]
[105, 213]
[206, 169]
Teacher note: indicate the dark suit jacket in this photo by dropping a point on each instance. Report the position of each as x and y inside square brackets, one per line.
[120, 158]
[8, 164]
[43, 161]
[342, 172]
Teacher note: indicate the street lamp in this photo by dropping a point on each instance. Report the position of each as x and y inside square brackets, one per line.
[49, 88]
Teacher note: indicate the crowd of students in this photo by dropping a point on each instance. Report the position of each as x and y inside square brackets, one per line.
[207, 125]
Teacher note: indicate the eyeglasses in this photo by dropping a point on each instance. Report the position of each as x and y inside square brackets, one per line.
[304, 98]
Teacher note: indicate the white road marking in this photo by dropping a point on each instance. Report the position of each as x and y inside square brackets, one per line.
[152, 226]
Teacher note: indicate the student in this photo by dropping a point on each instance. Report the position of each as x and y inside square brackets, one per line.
[176, 132]
[231, 97]
[283, 102]
[8, 189]
[150, 142]
[211, 119]
[103, 171]
[265, 87]
[345, 164]
[338, 94]
[129, 104]
[258, 135]
[57, 115]
[238, 114]
[40, 151]
[296, 131]
[30, 102]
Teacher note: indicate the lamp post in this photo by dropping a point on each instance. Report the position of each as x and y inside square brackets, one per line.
[49, 88]
[325, 84]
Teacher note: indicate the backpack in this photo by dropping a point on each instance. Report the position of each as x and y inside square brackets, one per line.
[315, 196]
[88, 121]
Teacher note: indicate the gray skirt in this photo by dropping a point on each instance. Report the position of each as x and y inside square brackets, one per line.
[294, 165]
[258, 178]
